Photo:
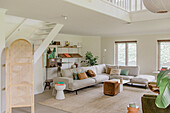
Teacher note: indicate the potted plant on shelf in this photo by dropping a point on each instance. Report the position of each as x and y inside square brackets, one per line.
[90, 60]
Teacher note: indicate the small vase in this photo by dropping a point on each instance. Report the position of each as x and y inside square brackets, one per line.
[133, 110]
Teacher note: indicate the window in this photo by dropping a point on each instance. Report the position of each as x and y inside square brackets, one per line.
[163, 54]
[126, 52]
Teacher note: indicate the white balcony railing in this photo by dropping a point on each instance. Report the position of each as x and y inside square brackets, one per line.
[128, 5]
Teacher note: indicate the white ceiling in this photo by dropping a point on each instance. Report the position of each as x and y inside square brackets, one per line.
[82, 21]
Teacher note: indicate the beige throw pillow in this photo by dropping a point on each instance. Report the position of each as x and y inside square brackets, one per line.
[115, 71]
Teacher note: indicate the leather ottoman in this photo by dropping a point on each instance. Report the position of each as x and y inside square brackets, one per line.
[111, 87]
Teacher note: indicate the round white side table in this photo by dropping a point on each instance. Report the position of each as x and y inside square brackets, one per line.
[60, 93]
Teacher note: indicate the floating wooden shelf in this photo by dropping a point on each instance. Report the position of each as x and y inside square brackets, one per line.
[72, 56]
[69, 47]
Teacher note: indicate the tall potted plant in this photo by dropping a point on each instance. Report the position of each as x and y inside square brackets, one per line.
[90, 60]
[163, 83]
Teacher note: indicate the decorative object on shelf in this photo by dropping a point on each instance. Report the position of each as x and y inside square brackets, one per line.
[67, 55]
[52, 54]
[132, 108]
[55, 43]
[90, 59]
[67, 43]
[77, 65]
[51, 62]
[164, 68]
[72, 56]
[157, 6]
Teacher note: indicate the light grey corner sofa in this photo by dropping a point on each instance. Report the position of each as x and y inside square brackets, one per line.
[101, 76]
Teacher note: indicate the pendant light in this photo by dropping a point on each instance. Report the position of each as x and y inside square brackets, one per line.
[157, 6]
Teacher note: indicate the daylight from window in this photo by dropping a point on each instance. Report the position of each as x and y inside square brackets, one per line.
[165, 54]
[126, 54]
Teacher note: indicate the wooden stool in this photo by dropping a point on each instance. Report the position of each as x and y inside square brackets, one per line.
[48, 83]
[111, 87]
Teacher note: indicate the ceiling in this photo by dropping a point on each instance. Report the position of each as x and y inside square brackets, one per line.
[82, 21]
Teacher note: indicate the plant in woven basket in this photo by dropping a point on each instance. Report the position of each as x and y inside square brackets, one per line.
[90, 59]
[163, 83]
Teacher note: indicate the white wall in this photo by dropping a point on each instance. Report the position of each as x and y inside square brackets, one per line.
[2, 46]
[147, 57]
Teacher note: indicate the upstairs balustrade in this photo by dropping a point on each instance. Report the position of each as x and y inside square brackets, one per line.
[127, 5]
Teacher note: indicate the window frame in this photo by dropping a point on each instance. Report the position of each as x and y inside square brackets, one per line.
[126, 51]
[159, 53]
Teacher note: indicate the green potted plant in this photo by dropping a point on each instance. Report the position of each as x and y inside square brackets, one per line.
[90, 60]
[163, 83]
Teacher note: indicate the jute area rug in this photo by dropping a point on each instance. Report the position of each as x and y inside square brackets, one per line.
[92, 100]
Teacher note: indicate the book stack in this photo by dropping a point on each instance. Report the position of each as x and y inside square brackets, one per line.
[60, 83]
[164, 68]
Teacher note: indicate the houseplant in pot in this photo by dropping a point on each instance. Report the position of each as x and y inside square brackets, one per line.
[163, 83]
[90, 60]
[162, 87]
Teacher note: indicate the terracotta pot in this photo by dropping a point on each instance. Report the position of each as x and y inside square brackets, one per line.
[132, 110]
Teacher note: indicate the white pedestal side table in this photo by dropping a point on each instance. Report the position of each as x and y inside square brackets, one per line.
[60, 92]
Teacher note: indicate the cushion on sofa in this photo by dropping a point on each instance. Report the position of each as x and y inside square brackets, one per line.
[68, 72]
[84, 69]
[91, 73]
[119, 76]
[77, 84]
[101, 68]
[115, 71]
[124, 72]
[75, 76]
[82, 76]
[101, 78]
[133, 70]
[150, 78]
[109, 67]
[143, 79]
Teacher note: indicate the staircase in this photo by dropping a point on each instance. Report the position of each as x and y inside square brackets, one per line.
[41, 33]
[127, 5]
[41, 37]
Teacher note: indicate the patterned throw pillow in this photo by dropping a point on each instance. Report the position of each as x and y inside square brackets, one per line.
[108, 70]
[75, 76]
[82, 76]
[115, 71]
[91, 73]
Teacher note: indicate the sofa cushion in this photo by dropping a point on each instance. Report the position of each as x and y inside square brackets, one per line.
[101, 78]
[119, 76]
[101, 68]
[124, 72]
[109, 67]
[143, 79]
[75, 76]
[90, 73]
[82, 76]
[84, 69]
[150, 78]
[77, 84]
[68, 72]
[133, 70]
[115, 71]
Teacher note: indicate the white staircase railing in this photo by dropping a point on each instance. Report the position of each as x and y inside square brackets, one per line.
[127, 5]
